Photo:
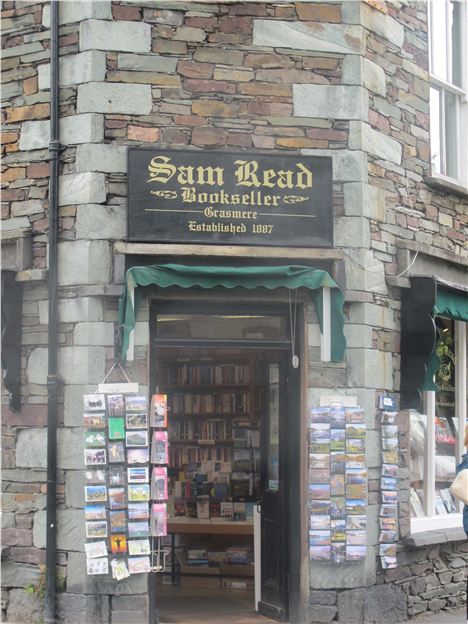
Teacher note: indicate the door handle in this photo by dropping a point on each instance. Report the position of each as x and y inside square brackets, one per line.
[259, 505]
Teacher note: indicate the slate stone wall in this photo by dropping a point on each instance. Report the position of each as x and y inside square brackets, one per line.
[342, 79]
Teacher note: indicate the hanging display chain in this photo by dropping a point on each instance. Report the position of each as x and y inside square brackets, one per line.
[116, 363]
[295, 358]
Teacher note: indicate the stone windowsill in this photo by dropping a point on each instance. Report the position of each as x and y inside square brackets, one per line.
[440, 536]
[445, 184]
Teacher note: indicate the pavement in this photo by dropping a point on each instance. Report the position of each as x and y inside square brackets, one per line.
[457, 616]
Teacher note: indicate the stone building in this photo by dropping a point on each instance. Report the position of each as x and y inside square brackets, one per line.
[349, 80]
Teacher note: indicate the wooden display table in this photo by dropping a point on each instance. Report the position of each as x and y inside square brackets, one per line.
[194, 526]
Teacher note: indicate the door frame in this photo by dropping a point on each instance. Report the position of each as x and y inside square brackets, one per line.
[297, 567]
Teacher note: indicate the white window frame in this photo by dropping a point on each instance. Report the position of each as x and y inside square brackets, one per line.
[431, 521]
[461, 94]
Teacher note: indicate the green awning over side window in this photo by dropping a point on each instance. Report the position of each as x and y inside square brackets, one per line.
[452, 305]
[184, 276]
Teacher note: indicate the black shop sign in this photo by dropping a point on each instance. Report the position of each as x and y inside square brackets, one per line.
[229, 198]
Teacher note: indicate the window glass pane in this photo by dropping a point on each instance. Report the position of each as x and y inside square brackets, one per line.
[418, 428]
[451, 151]
[221, 327]
[273, 430]
[446, 425]
[439, 39]
[435, 130]
[455, 23]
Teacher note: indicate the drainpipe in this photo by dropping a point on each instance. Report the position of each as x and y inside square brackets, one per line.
[52, 376]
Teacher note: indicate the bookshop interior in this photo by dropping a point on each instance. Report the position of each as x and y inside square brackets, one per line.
[220, 373]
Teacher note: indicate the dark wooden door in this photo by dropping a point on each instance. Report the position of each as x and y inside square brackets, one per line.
[274, 591]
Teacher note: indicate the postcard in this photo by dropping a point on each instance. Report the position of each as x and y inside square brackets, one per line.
[356, 507]
[389, 470]
[138, 529]
[319, 538]
[319, 507]
[136, 404]
[356, 553]
[355, 445]
[319, 460]
[319, 431]
[337, 485]
[139, 565]
[355, 415]
[355, 460]
[388, 524]
[95, 512]
[158, 414]
[159, 448]
[389, 497]
[95, 476]
[390, 457]
[138, 474]
[97, 566]
[137, 437]
[337, 507]
[118, 544]
[115, 404]
[138, 455]
[337, 462]
[139, 511]
[319, 415]
[159, 483]
[94, 403]
[338, 417]
[116, 428]
[389, 483]
[387, 550]
[356, 431]
[319, 446]
[389, 417]
[386, 537]
[389, 444]
[116, 475]
[158, 520]
[119, 569]
[118, 521]
[354, 490]
[319, 475]
[95, 439]
[138, 493]
[337, 439]
[388, 562]
[356, 538]
[95, 549]
[95, 457]
[94, 421]
[95, 493]
[389, 431]
[116, 452]
[96, 529]
[137, 420]
[117, 498]
[319, 491]
[338, 552]
[338, 530]
[356, 523]
[389, 511]
[319, 523]
[319, 553]
[139, 547]
[356, 475]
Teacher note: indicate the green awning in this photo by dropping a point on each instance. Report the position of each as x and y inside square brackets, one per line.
[452, 305]
[166, 275]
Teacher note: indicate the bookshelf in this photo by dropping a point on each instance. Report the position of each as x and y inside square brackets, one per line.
[215, 405]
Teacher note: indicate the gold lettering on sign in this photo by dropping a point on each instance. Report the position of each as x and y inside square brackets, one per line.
[161, 170]
[248, 174]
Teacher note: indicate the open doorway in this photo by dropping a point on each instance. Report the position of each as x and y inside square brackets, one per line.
[231, 417]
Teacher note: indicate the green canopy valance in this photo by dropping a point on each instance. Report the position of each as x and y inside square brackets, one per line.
[452, 305]
[166, 275]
